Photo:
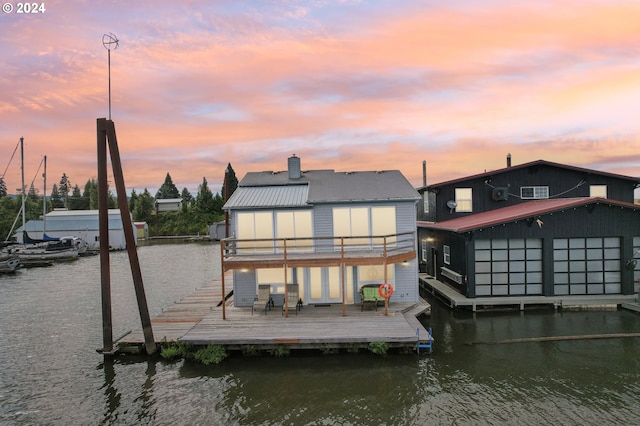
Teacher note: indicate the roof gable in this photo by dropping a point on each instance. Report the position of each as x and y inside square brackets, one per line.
[532, 164]
[517, 212]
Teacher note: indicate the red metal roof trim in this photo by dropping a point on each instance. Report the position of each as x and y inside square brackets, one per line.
[517, 212]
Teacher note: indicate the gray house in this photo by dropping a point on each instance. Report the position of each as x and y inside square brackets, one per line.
[329, 232]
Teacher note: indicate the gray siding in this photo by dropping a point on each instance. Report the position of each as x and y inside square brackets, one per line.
[405, 217]
[323, 225]
[244, 288]
[406, 282]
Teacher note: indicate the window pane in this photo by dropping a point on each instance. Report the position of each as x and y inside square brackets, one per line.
[383, 222]
[284, 225]
[341, 222]
[463, 200]
[598, 191]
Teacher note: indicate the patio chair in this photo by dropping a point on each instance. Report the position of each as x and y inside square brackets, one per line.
[369, 297]
[263, 299]
[293, 301]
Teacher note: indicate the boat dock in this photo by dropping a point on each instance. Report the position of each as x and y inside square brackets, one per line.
[197, 319]
[456, 300]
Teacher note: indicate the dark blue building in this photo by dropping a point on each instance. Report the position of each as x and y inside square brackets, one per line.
[536, 229]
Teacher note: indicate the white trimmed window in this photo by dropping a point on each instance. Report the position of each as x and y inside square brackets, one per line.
[534, 192]
[447, 255]
[598, 191]
[464, 200]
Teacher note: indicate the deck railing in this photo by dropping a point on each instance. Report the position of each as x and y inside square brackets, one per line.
[380, 245]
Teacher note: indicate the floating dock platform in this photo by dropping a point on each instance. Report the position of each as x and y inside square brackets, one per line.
[197, 319]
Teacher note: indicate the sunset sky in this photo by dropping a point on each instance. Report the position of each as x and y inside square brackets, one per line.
[345, 85]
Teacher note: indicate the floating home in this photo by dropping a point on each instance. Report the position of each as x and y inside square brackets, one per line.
[536, 229]
[329, 232]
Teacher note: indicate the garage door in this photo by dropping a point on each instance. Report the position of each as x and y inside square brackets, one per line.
[506, 267]
[586, 266]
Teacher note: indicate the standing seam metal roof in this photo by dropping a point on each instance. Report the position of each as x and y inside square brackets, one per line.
[268, 196]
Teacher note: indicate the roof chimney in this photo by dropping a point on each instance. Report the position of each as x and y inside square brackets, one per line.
[424, 172]
[294, 167]
[509, 160]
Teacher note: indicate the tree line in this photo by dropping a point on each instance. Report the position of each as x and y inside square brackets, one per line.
[197, 211]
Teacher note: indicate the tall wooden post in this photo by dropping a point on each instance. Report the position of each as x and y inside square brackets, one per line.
[103, 229]
[110, 133]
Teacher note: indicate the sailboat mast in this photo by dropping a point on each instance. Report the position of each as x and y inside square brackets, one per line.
[44, 200]
[22, 189]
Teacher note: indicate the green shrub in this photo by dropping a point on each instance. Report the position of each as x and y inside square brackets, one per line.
[250, 350]
[354, 348]
[328, 350]
[379, 348]
[170, 353]
[280, 351]
[212, 354]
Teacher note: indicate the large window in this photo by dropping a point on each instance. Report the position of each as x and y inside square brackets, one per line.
[263, 227]
[364, 222]
[275, 278]
[464, 200]
[256, 227]
[296, 225]
[375, 274]
[534, 192]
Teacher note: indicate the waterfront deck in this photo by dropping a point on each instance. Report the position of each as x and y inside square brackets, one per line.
[198, 320]
[456, 300]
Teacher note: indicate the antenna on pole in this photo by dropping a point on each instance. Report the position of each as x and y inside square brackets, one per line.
[110, 42]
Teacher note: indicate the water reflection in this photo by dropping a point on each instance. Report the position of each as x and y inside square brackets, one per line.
[112, 396]
[51, 374]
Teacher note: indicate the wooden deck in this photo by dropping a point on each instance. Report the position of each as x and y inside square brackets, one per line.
[456, 300]
[198, 320]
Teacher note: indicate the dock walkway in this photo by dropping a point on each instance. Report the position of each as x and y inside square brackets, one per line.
[456, 300]
[198, 320]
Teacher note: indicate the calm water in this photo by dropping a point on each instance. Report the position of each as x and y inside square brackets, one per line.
[50, 326]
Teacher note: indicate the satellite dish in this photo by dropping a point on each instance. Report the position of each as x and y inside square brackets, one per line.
[452, 205]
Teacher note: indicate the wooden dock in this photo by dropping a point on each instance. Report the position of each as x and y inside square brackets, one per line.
[197, 319]
[456, 300]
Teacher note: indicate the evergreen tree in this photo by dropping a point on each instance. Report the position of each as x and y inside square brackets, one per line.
[32, 192]
[187, 199]
[3, 188]
[56, 201]
[218, 202]
[204, 200]
[90, 194]
[63, 189]
[233, 182]
[77, 202]
[168, 189]
[144, 208]
[133, 200]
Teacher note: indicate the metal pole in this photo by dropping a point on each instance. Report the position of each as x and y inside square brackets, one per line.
[44, 199]
[22, 188]
[109, 66]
